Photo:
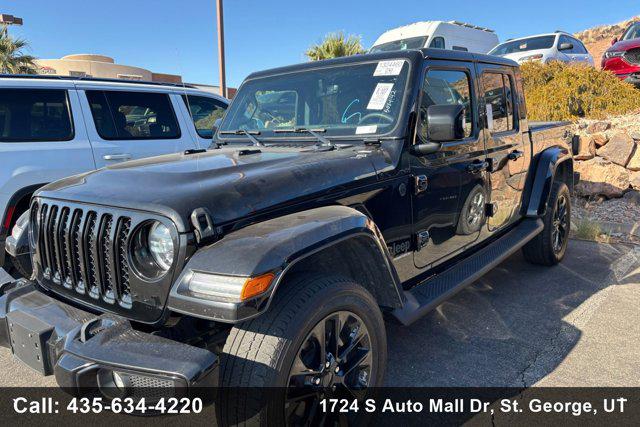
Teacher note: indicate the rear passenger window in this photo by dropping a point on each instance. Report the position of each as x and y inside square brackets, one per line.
[446, 87]
[204, 112]
[498, 98]
[133, 115]
[31, 115]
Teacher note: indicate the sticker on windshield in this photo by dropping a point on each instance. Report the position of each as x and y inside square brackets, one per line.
[380, 95]
[388, 68]
[366, 129]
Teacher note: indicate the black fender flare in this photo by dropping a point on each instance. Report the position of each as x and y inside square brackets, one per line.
[15, 199]
[546, 165]
[275, 246]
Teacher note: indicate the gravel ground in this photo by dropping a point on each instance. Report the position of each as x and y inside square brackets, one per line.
[622, 211]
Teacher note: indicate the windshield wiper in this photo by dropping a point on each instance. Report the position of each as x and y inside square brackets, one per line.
[248, 133]
[322, 141]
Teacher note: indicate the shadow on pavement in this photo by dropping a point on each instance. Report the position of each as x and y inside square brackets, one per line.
[506, 330]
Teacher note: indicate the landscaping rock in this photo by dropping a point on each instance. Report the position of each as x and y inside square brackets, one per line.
[587, 148]
[596, 127]
[619, 149]
[601, 177]
[634, 179]
[634, 163]
[633, 196]
[600, 139]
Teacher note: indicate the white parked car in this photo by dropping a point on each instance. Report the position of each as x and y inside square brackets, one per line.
[558, 46]
[52, 128]
[452, 35]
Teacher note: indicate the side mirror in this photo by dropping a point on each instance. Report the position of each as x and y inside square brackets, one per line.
[445, 122]
[614, 41]
[565, 46]
[215, 126]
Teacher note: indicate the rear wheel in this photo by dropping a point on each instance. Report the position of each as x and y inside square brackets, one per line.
[321, 337]
[550, 246]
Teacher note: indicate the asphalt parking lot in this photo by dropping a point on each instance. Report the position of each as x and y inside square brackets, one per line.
[575, 324]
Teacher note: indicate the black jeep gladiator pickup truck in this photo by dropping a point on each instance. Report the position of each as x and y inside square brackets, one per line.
[335, 194]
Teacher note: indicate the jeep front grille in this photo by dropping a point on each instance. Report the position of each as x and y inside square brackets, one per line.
[85, 251]
[632, 56]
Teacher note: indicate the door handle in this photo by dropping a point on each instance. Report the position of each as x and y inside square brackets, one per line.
[515, 155]
[477, 167]
[124, 156]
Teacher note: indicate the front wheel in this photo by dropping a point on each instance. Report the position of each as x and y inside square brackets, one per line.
[549, 247]
[321, 337]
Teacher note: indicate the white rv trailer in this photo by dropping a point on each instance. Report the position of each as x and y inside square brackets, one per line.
[451, 35]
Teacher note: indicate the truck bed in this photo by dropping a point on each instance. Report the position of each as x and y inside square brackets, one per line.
[547, 134]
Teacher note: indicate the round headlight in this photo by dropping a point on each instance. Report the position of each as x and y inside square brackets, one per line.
[161, 245]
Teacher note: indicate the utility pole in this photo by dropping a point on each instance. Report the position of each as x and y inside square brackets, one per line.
[223, 78]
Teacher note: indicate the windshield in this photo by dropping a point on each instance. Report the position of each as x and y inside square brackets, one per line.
[523, 45]
[403, 44]
[346, 100]
[633, 32]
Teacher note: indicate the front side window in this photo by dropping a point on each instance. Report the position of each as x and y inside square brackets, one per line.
[498, 98]
[121, 115]
[577, 46]
[445, 87]
[437, 43]
[633, 32]
[402, 44]
[524, 45]
[31, 115]
[345, 100]
[204, 112]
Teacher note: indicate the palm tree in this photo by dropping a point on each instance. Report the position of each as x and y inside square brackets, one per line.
[12, 60]
[335, 45]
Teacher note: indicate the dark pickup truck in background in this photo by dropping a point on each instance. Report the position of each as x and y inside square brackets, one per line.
[335, 194]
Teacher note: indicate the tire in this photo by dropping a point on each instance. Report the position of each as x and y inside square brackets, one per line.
[261, 352]
[543, 249]
[473, 214]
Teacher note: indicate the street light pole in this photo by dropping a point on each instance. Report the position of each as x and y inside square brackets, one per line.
[223, 79]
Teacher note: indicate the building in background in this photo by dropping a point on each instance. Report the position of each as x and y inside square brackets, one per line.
[104, 67]
[100, 66]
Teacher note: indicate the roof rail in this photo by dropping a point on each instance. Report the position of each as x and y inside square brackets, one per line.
[92, 79]
[475, 27]
[560, 32]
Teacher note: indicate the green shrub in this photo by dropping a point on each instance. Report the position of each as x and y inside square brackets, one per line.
[558, 91]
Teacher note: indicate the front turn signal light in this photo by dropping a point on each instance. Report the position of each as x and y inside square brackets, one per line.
[256, 285]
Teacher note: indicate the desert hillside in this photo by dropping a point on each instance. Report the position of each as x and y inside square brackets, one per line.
[598, 39]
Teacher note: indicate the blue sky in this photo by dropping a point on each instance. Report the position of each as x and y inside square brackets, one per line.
[180, 36]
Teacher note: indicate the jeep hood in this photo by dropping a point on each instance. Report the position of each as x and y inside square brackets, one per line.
[231, 182]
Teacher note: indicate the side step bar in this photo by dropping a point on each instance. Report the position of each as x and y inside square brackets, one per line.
[435, 290]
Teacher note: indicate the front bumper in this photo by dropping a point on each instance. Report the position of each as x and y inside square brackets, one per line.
[82, 349]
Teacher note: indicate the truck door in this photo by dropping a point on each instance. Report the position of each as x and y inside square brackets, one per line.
[504, 142]
[448, 182]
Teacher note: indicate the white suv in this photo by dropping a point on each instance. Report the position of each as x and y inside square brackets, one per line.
[52, 128]
[558, 46]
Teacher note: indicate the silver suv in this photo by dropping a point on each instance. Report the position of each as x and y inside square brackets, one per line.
[558, 46]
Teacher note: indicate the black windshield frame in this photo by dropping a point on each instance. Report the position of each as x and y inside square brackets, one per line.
[391, 133]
